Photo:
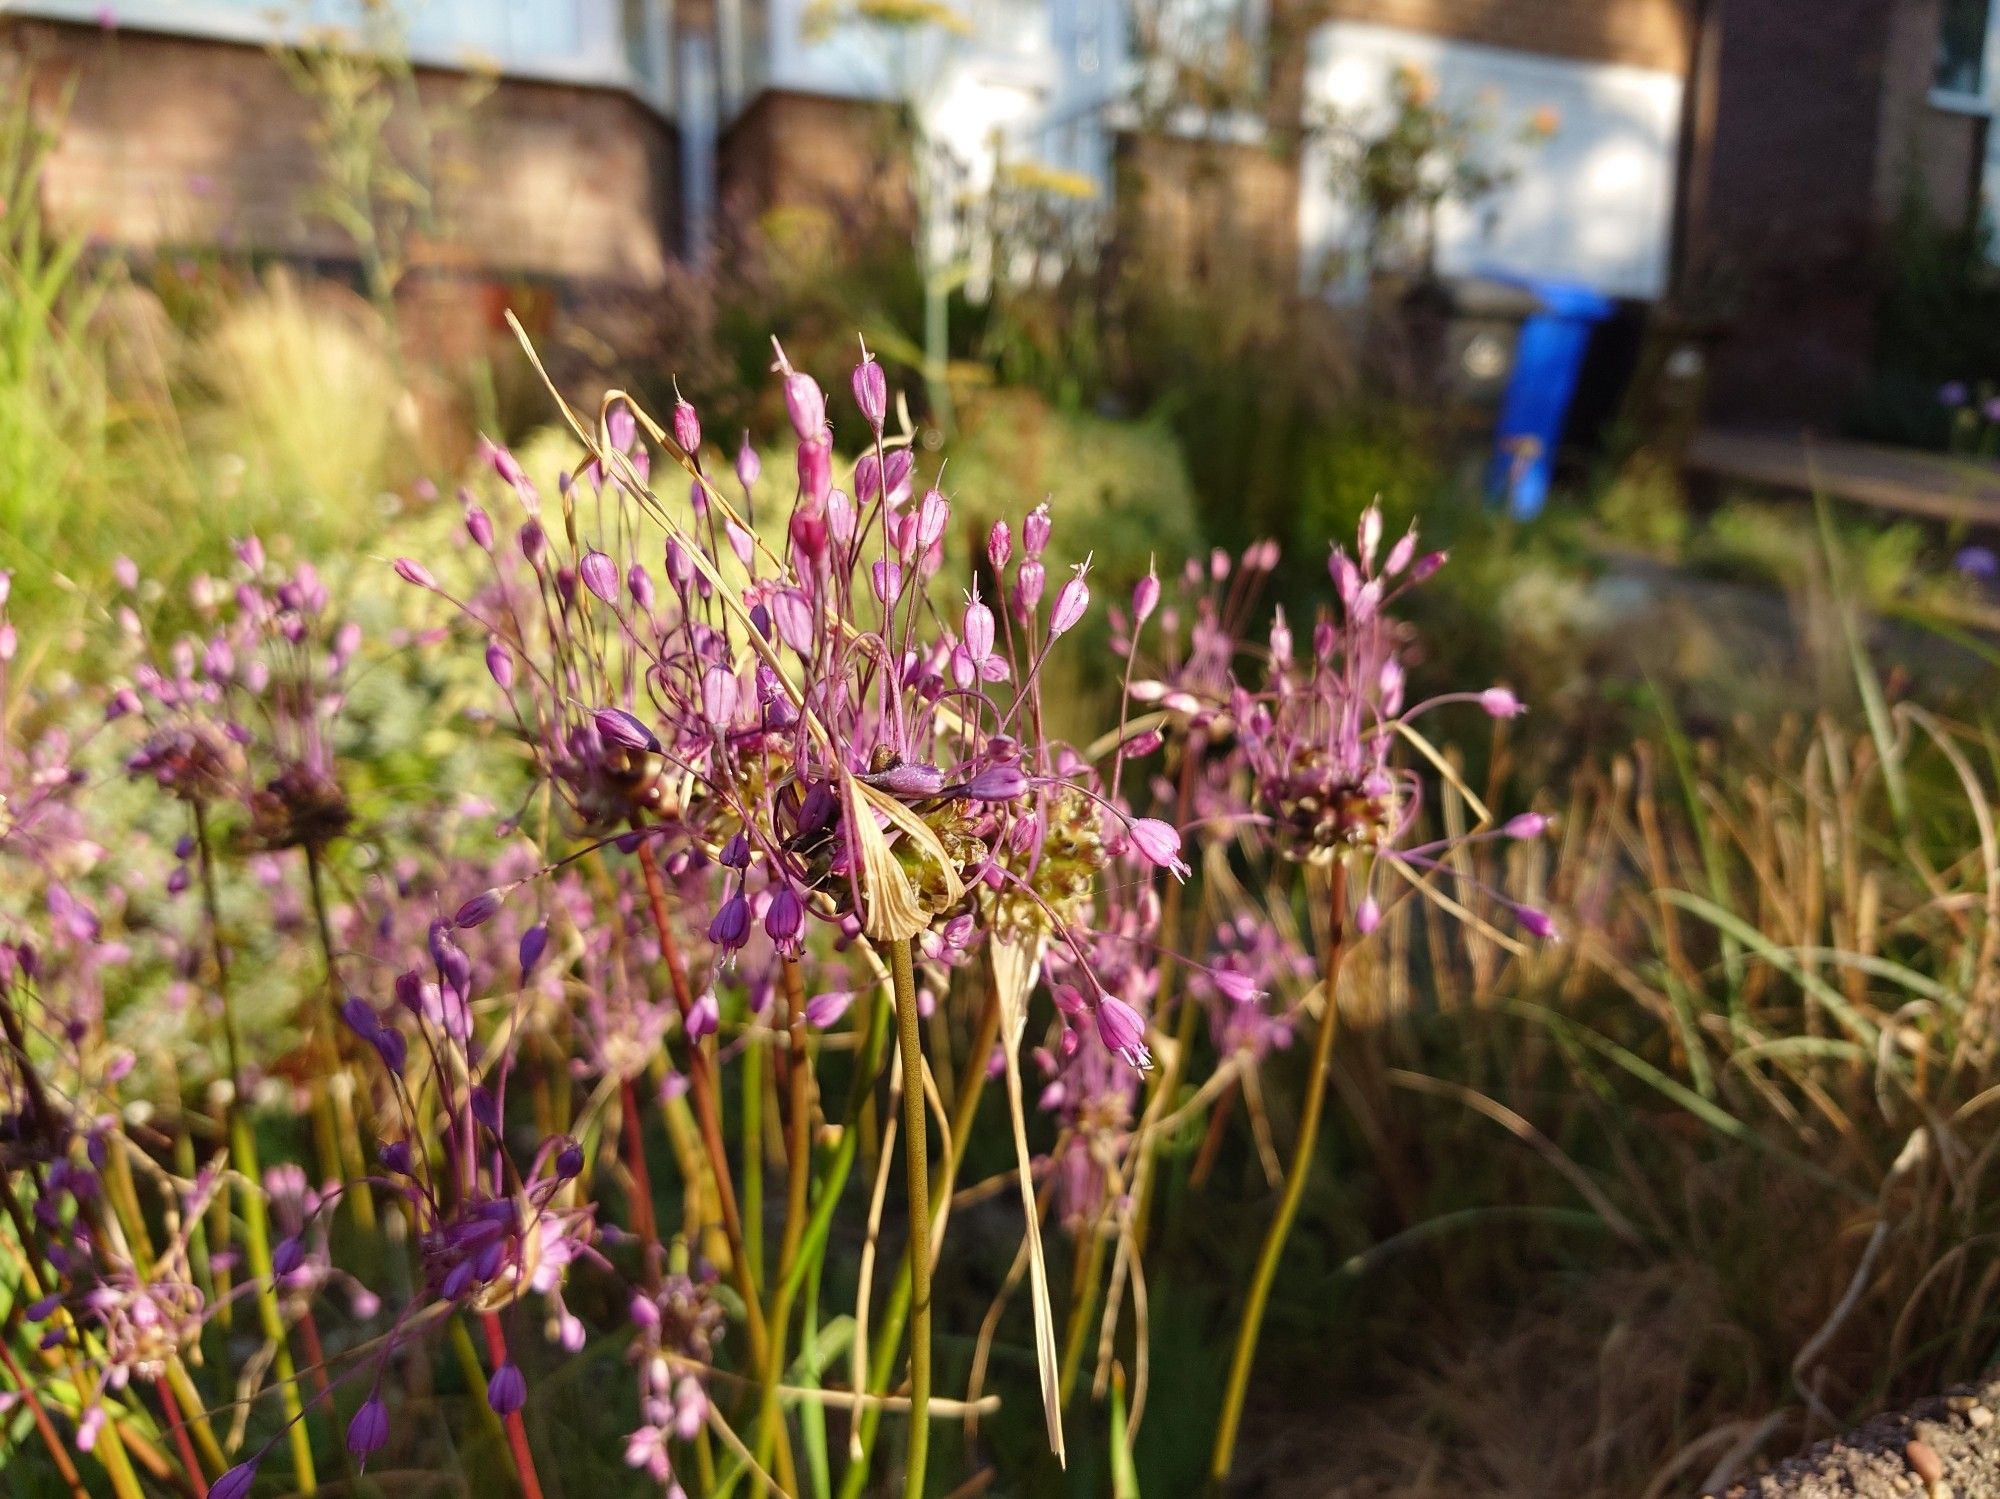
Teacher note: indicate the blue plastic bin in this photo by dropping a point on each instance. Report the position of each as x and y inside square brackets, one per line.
[1547, 360]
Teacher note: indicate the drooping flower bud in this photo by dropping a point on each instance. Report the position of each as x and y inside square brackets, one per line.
[749, 467]
[785, 919]
[368, 1432]
[415, 574]
[1123, 1031]
[1501, 703]
[1537, 924]
[1159, 844]
[731, 927]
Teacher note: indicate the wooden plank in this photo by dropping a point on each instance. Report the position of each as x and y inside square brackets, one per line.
[1897, 480]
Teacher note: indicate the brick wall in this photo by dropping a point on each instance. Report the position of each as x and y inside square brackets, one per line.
[1197, 215]
[168, 142]
[1645, 33]
[1819, 111]
[797, 150]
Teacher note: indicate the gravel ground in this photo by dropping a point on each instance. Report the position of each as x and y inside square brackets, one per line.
[1947, 1447]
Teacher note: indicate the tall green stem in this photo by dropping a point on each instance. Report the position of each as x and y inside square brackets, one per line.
[965, 1104]
[1295, 1180]
[916, 1155]
[243, 1154]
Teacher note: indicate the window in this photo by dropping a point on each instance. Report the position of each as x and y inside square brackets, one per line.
[1961, 51]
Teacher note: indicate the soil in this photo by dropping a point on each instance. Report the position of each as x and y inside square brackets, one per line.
[1947, 1447]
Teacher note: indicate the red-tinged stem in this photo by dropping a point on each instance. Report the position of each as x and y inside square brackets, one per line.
[642, 1183]
[708, 1115]
[517, 1429]
[50, 1439]
[178, 1426]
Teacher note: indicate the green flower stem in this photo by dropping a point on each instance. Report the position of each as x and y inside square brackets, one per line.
[708, 1115]
[916, 1130]
[1238, 1386]
[965, 1103]
[243, 1156]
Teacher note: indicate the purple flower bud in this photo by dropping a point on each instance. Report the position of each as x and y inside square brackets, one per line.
[1035, 531]
[933, 515]
[481, 909]
[368, 1432]
[1160, 845]
[687, 426]
[360, 1017]
[871, 392]
[1537, 924]
[500, 665]
[793, 616]
[1123, 1031]
[534, 942]
[569, 1160]
[1236, 986]
[718, 696]
[1501, 703]
[704, 1016]
[1028, 585]
[816, 470]
[996, 783]
[749, 467]
[1368, 536]
[1071, 601]
[287, 1256]
[479, 526]
[1368, 915]
[912, 781]
[999, 546]
[1526, 826]
[621, 728]
[731, 927]
[785, 919]
[823, 1010]
[416, 574]
[640, 584]
[600, 575]
[395, 1155]
[805, 404]
[1427, 566]
[236, 1483]
[506, 1391]
[390, 1047]
[1145, 598]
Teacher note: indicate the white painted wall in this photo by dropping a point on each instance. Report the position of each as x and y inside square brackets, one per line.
[1039, 72]
[1593, 204]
